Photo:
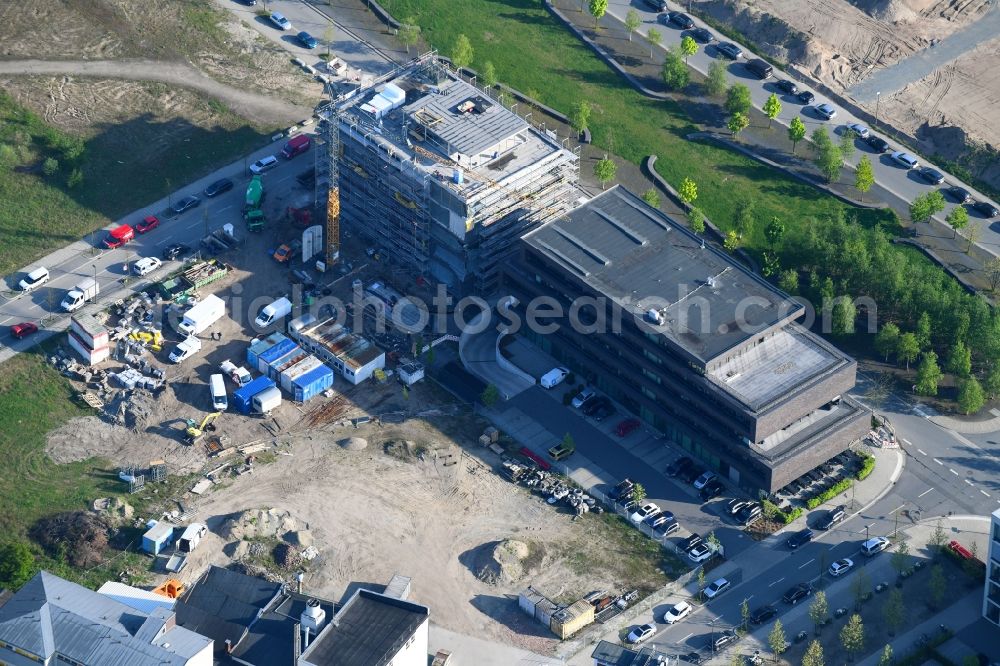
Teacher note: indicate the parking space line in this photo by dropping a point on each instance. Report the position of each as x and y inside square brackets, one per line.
[807, 563]
[953, 471]
[984, 492]
[924, 493]
[922, 452]
[776, 582]
[938, 461]
[906, 441]
[968, 482]
[687, 637]
[896, 509]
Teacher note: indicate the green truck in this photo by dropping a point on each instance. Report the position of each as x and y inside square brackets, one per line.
[181, 285]
[252, 213]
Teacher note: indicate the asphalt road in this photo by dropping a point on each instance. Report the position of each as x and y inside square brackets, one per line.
[899, 181]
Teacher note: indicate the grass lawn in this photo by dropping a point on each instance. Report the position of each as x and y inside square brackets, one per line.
[532, 51]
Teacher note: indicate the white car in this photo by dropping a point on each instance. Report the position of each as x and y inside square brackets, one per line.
[859, 129]
[717, 588]
[905, 159]
[35, 278]
[146, 265]
[840, 567]
[641, 633]
[826, 110]
[703, 480]
[279, 21]
[263, 164]
[677, 613]
[700, 553]
[582, 397]
[643, 512]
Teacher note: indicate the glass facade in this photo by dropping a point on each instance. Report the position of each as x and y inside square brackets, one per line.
[991, 593]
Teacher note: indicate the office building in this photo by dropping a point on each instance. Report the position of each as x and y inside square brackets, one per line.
[991, 593]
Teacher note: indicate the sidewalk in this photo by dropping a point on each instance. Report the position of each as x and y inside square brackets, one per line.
[471, 650]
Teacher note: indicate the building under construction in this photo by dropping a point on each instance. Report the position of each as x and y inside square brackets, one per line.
[439, 177]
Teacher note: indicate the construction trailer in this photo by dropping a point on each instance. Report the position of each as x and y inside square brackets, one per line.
[243, 397]
[158, 536]
[430, 167]
[353, 356]
[295, 369]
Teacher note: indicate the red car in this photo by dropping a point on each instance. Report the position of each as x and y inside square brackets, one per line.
[23, 329]
[148, 224]
[626, 427]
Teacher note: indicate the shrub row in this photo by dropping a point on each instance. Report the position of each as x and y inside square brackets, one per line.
[867, 465]
[829, 494]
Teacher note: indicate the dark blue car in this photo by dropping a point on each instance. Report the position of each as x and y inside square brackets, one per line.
[306, 40]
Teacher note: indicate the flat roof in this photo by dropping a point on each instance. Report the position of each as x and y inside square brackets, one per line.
[351, 349]
[641, 259]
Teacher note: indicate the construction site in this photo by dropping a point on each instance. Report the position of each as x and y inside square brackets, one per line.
[438, 176]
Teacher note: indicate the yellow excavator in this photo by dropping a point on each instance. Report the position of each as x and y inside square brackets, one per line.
[152, 339]
[196, 431]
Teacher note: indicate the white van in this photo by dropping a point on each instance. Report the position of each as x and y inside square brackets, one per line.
[218, 387]
[553, 377]
[874, 546]
[269, 314]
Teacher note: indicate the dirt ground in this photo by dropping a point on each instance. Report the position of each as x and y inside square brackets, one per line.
[841, 42]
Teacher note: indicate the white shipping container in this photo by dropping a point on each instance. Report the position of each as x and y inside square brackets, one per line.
[267, 400]
[302, 367]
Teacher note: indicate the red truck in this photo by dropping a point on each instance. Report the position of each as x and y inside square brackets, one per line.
[119, 236]
[296, 146]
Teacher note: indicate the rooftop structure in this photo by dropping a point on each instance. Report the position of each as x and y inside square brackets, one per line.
[51, 620]
[354, 356]
[441, 176]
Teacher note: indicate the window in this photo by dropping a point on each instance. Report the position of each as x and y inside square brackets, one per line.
[993, 613]
[648, 393]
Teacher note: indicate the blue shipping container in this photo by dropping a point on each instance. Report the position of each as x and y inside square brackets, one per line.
[244, 396]
[265, 359]
[312, 383]
[284, 361]
[258, 347]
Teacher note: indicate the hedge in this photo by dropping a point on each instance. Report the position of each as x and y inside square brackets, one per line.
[867, 465]
[827, 495]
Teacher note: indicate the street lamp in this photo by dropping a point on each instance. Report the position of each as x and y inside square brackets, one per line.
[95, 281]
[878, 98]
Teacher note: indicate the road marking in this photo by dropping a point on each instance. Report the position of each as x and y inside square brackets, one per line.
[687, 637]
[968, 482]
[938, 461]
[221, 210]
[776, 582]
[896, 509]
[906, 441]
[953, 471]
[922, 452]
[807, 563]
[924, 493]
[984, 492]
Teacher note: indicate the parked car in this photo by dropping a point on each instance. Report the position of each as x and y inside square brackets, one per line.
[763, 614]
[35, 278]
[641, 633]
[146, 265]
[874, 546]
[905, 159]
[279, 21]
[184, 204]
[679, 465]
[711, 490]
[877, 143]
[691, 473]
[931, 175]
[799, 539]
[959, 194]
[702, 35]
[582, 397]
[716, 588]
[833, 517]
[729, 50]
[736, 505]
[622, 490]
[728, 637]
[218, 187]
[784, 85]
[175, 251]
[645, 511]
[690, 542]
[23, 329]
[603, 410]
[840, 567]
[660, 519]
[986, 209]
[681, 20]
[591, 406]
[806, 97]
[668, 528]
[657, 5]
[119, 236]
[826, 110]
[306, 40]
[703, 480]
[797, 593]
[147, 223]
[700, 552]
[750, 514]
[627, 427]
[263, 164]
[859, 129]
[677, 612]
[693, 657]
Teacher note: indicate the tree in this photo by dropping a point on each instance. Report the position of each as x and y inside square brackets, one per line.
[50, 166]
[737, 123]
[860, 585]
[938, 539]
[676, 74]
[844, 314]
[732, 241]
[847, 143]
[745, 614]
[821, 138]
[900, 560]
[828, 158]
[813, 655]
[957, 219]
[653, 37]
[688, 47]
[638, 493]
[926, 206]
[819, 611]
[864, 176]
[774, 232]
[887, 340]
[597, 10]
[745, 217]
[632, 22]
[776, 640]
[852, 636]
[605, 170]
[406, 393]
[970, 396]
[992, 270]
[924, 330]
[17, 564]
[928, 375]
[738, 99]
[972, 566]
[489, 74]
[688, 191]
[697, 220]
[937, 586]
[716, 81]
[651, 197]
[992, 383]
[789, 281]
[579, 118]
[409, 33]
[772, 108]
[461, 52]
[328, 36]
[796, 131]
[886, 658]
[894, 611]
[960, 360]
[76, 177]
[490, 395]
[701, 582]
[907, 348]
[974, 234]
